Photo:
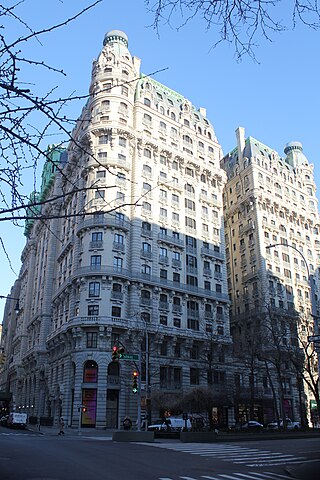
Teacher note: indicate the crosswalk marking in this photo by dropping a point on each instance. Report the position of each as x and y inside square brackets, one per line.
[235, 476]
[252, 457]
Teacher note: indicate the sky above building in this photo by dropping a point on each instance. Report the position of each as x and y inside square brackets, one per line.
[276, 98]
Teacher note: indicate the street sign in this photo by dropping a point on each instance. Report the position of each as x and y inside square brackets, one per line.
[314, 338]
[130, 356]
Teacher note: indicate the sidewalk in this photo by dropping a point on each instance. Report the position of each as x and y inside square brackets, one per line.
[196, 437]
[69, 431]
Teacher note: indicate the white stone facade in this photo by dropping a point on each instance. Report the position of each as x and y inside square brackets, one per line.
[135, 257]
[271, 201]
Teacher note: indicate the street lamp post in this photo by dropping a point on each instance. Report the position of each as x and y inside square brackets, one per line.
[16, 308]
[308, 272]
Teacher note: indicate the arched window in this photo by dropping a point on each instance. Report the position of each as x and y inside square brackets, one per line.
[147, 102]
[147, 153]
[145, 294]
[147, 206]
[189, 188]
[145, 317]
[187, 139]
[146, 186]
[173, 116]
[147, 118]
[146, 226]
[90, 372]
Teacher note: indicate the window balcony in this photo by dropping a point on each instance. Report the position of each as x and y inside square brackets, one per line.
[119, 247]
[116, 295]
[164, 306]
[176, 308]
[95, 245]
[145, 253]
[192, 270]
[145, 301]
[176, 263]
[170, 240]
[164, 260]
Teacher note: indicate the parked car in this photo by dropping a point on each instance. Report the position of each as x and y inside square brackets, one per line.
[172, 424]
[291, 425]
[156, 426]
[251, 425]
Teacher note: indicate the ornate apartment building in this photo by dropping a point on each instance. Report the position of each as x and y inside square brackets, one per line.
[132, 255]
[273, 254]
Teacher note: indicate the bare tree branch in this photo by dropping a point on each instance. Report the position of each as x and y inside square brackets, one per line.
[239, 22]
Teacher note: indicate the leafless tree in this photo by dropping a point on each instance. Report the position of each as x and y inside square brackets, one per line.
[305, 359]
[238, 22]
[27, 116]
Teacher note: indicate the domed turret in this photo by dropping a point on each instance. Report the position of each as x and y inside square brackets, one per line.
[295, 156]
[115, 36]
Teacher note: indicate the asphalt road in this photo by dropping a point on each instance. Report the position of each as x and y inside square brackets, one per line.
[29, 456]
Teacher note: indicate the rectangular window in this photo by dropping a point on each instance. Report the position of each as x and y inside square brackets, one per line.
[177, 323]
[103, 139]
[118, 238]
[163, 320]
[194, 376]
[94, 289]
[117, 264]
[92, 339]
[96, 237]
[95, 261]
[176, 277]
[193, 324]
[163, 273]
[116, 312]
[191, 280]
[93, 310]
[99, 194]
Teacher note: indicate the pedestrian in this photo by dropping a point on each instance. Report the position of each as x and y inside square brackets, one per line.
[61, 426]
[127, 423]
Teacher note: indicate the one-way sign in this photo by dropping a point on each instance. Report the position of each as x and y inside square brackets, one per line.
[314, 338]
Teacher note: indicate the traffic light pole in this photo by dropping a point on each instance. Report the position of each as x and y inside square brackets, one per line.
[80, 418]
[139, 394]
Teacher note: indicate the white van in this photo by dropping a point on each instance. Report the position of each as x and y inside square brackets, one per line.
[177, 424]
[17, 420]
[172, 424]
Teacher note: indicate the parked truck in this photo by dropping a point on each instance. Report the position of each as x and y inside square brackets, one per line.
[17, 420]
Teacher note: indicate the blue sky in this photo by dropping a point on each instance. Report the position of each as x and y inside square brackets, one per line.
[276, 100]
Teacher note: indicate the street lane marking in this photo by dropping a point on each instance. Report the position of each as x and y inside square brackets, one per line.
[237, 476]
[236, 454]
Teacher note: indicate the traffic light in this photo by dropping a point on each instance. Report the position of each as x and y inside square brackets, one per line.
[83, 409]
[135, 376]
[114, 353]
[120, 352]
